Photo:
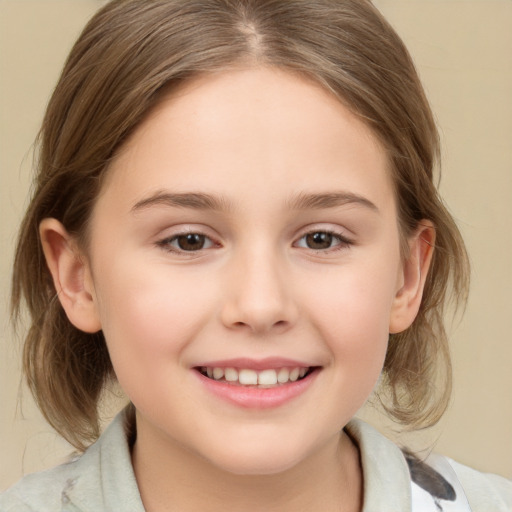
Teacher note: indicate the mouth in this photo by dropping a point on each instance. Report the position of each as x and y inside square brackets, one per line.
[257, 384]
[263, 379]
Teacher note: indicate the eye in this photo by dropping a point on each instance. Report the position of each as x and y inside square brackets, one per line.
[187, 242]
[323, 241]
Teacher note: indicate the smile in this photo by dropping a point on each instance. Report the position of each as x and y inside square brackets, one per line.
[257, 385]
[263, 379]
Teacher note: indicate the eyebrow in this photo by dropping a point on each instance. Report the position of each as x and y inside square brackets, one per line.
[302, 201]
[194, 200]
[305, 201]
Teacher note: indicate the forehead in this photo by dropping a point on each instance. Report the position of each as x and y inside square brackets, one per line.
[240, 129]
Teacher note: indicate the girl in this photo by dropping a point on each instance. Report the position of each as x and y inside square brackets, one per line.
[236, 220]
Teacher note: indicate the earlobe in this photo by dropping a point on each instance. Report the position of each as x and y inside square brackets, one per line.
[71, 276]
[415, 269]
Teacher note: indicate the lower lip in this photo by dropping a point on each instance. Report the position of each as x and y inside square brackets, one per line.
[258, 398]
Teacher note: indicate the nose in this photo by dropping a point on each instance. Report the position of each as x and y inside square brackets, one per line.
[258, 295]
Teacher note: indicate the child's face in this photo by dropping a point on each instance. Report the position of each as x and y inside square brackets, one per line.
[249, 223]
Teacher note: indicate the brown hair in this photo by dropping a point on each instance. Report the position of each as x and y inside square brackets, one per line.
[127, 56]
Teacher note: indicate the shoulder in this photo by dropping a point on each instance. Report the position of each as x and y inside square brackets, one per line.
[101, 479]
[40, 492]
[397, 480]
[387, 483]
[484, 491]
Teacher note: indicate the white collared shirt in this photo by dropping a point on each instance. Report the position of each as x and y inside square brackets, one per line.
[102, 480]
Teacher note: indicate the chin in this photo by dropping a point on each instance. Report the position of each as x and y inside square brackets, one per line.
[261, 467]
[257, 459]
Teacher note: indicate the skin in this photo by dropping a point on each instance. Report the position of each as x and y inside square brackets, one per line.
[255, 140]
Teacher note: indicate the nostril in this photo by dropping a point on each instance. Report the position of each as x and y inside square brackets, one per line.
[258, 316]
[255, 326]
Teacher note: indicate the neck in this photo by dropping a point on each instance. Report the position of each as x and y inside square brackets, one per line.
[171, 478]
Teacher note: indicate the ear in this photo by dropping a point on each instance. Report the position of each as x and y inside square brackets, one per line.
[412, 278]
[71, 275]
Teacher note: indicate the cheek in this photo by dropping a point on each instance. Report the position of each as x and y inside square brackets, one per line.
[357, 339]
[149, 313]
[354, 303]
[351, 311]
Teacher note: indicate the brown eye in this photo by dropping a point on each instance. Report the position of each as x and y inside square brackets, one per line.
[191, 242]
[323, 241]
[319, 240]
[186, 242]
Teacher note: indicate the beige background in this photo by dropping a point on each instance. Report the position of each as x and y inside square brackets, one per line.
[464, 53]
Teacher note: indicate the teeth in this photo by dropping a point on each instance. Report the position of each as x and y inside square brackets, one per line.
[294, 374]
[283, 375]
[218, 373]
[248, 377]
[231, 374]
[267, 378]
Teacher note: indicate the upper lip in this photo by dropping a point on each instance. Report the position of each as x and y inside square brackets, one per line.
[255, 364]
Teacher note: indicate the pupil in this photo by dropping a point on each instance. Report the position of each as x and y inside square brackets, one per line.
[319, 240]
[191, 242]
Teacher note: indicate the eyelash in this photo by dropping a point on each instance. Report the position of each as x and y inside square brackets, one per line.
[167, 243]
[342, 241]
